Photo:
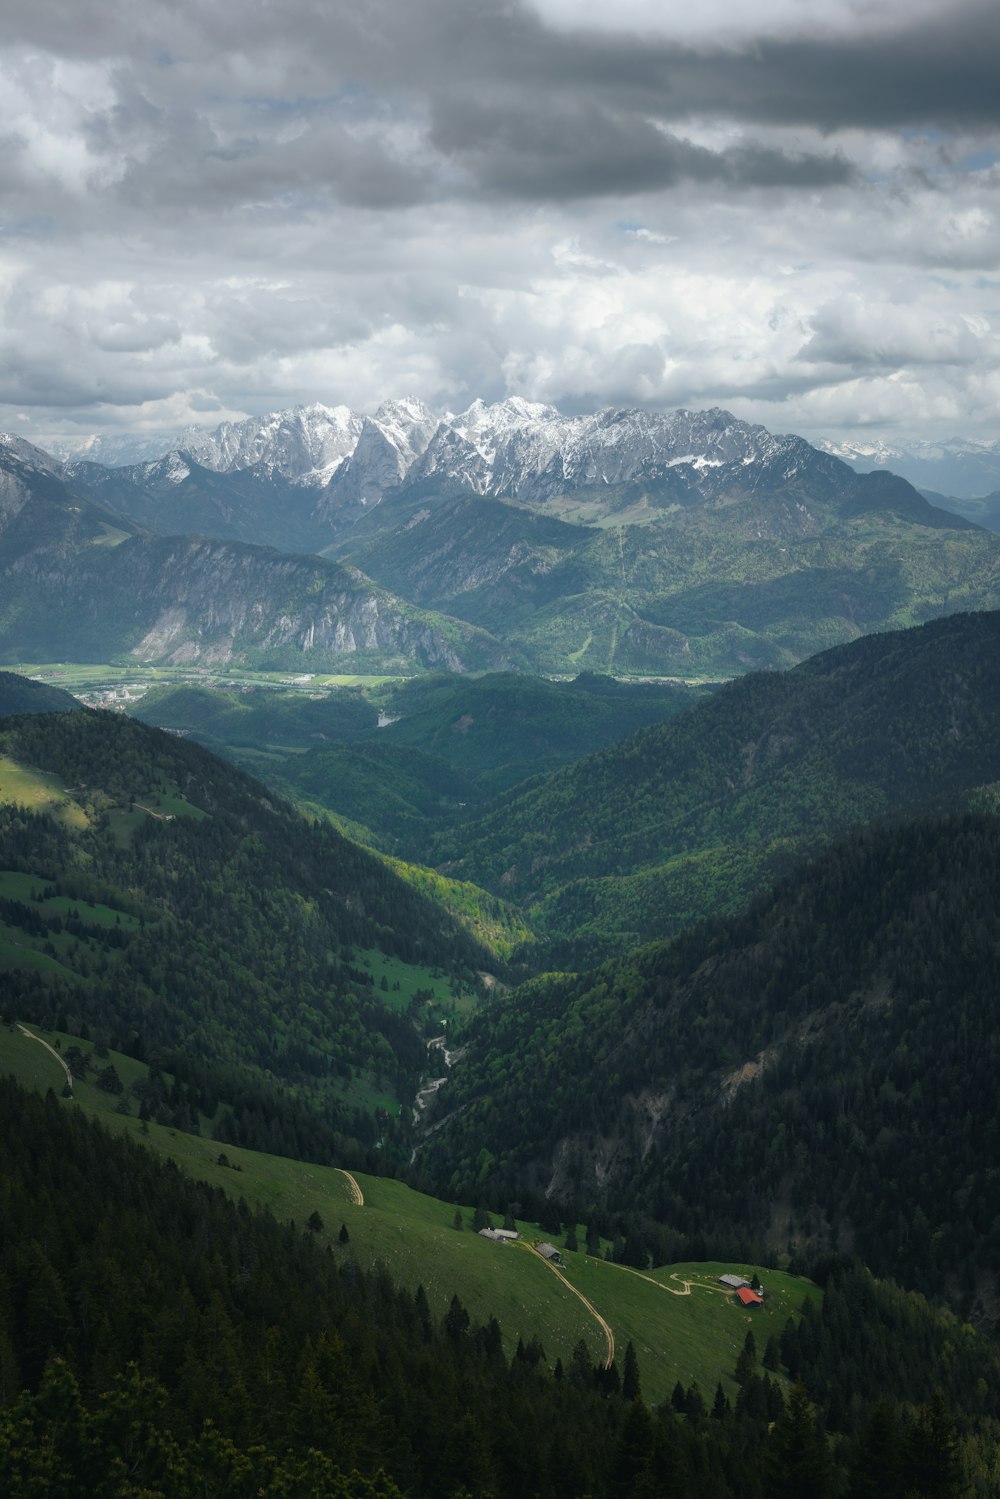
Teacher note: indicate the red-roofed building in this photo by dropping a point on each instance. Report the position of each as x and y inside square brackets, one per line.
[748, 1297]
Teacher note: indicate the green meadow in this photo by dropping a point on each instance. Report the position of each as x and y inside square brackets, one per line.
[55, 953]
[40, 791]
[683, 1324]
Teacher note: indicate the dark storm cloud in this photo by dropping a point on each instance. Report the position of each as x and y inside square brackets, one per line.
[524, 107]
[551, 153]
[207, 201]
[941, 69]
[941, 72]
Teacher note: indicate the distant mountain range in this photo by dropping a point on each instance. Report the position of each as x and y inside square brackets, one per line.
[81, 581]
[680, 543]
[958, 467]
[346, 461]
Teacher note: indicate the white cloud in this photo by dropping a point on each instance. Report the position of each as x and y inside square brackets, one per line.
[727, 22]
[223, 209]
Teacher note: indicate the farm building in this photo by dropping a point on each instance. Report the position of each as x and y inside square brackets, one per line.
[733, 1282]
[748, 1297]
[550, 1252]
[503, 1235]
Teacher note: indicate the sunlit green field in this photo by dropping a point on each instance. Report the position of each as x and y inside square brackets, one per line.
[693, 1335]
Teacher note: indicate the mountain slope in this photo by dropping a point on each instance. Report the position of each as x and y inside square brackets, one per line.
[156, 1329]
[178, 909]
[81, 582]
[695, 570]
[21, 695]
[177, 494]
[661, 828]
[819, 1072]
[681, 543]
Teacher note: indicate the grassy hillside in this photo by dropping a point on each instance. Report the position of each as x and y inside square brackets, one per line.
[173, 907]
[695, 1337]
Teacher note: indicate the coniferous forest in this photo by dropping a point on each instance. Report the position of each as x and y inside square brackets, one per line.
[157, 1338]
[802, 1078]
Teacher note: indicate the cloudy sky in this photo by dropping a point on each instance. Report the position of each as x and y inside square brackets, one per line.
[215, 208]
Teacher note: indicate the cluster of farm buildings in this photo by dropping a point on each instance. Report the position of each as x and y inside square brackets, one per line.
[745, 1292]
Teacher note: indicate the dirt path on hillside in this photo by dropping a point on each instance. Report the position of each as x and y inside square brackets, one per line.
[591, 1308]
[356, 1192]
[51, 1049]
[163, 816]
[687, 1284]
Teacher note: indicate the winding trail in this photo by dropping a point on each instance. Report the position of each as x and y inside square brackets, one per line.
[356, 1192]
[687, 1284]
[62, 1063]
[609, 1336]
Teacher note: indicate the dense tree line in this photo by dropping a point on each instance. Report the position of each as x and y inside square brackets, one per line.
[157, 1339]
[822, 1069]
[245, 917]
[690, 817]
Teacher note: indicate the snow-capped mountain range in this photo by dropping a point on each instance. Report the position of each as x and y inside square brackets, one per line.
[960, 466]
[512, 447]
[619, 540]
[515, 447]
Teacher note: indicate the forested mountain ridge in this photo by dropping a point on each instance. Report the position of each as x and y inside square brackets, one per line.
[656, 578]
[400, 758]
[818, 1073]
[171, 904]
[20, 694]
[693, 815]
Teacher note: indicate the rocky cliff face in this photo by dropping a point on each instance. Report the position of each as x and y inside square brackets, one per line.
[77, 586]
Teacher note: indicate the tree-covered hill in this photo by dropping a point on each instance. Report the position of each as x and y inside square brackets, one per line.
[653, 578]
[402, 757]
[261, 716]
[166, 901]
[158, 1339]
[691, 816]
[819, 1073]
[21, 695]
[504, 727]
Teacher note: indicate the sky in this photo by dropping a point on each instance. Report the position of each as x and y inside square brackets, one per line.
[218, 208]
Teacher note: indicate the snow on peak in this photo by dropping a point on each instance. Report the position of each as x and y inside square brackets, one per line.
[513, 446]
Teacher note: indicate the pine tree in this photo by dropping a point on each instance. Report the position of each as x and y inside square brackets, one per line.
[932, 1461]
[876, 1468]
[798, 1460]
[631, 1387]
